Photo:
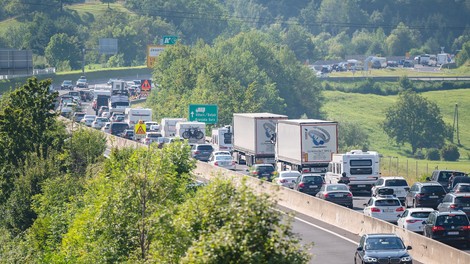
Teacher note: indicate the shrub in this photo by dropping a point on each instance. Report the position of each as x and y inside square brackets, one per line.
[450, 153]
[419, 154]
[433, 154]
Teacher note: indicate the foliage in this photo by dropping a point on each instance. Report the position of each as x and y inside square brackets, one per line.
[415, 120]
[464, 55]
[62, 48]
[450, 152]
[433, 154]
[352, 136]
[83, 149]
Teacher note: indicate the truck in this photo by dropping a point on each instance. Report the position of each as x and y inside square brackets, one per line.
[359, 169]
[168, 126]
[133, 115]
[118, 103]
[221, 138]
[253, 137]
[101, 99]
[305, 145]
[193, 131]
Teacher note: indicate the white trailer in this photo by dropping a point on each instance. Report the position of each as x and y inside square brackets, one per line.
[359, 169]
[222, 138]
[194, 132]
[133, 115]
[168, 126]
[305, 145]
[253, 137]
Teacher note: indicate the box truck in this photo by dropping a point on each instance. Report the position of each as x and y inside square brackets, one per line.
[194, 132]
[305, 145]
[168, 126]
[253, 137]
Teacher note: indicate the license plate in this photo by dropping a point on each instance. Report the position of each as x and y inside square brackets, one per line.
[466, 208]
[434, 196]
[388, 210]
[453, 233]
[313, 186]
[361, 186]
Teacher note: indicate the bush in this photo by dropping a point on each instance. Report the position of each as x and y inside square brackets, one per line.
[433, 154]
[450, 153]
[419, 154]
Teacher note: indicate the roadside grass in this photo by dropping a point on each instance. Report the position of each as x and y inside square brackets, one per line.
[97, 8]
[368, 111]
[409, 72]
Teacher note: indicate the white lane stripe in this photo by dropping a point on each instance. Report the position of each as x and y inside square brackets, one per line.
[321, 228]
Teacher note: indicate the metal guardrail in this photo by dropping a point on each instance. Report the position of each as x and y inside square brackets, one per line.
[35, 72]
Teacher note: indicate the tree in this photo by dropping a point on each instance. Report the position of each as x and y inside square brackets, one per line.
[352, 136]
[108, 2]
[64, 48]
[464, 55]
[415, 120]
[401, 40]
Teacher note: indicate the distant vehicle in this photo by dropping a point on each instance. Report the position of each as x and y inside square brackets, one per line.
[336, 193]
[78, 116]
[222, 138]
[152, 126]
[408, 64]
[309, 183]
[134, 115]
[102, 109]
[82, 82]
[425, 194]
[99, 122]
[386, 207]
[66, 85]
[150, 137]
[223, 161]
[444, 177]
[412, 218]
[287, 178]
[392, 64]
[455, 201]
[88, 120]
[75, 95]
[382, 248]
[461, 188]
[219, 152]
[86, 95]
[398, 184]
[115, 128]
[201, 152]
[263, 171]
[128, 134]
[448, 227]
[168, 126]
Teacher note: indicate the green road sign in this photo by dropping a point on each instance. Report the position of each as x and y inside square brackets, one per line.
[169, 40]
[203, 113]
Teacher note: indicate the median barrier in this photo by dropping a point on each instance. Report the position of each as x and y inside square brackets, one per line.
[424, 250]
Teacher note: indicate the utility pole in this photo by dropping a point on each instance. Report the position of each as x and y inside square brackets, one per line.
[455, 127]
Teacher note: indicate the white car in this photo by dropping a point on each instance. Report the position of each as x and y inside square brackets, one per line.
[106, 114]
[223, 161]
[150, 137]
[220, 152]
[287, 178]
[106, 127]
[398, 184]
[88, 120]
[413, 218]
[99, 122]
[386, 207]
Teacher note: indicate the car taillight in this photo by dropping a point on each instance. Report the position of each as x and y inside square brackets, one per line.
[437, 228]
[411, 221]
[349, 194]
[375, 210]
[466, 228]
[453, 206]
[400, 209]
[282, 181]
[255, 173]
[419, 195]
[326, 195]
[216, 163]
[301, 184]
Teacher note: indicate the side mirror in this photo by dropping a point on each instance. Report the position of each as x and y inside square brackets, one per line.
[359, 249]
[428, 179]
[425, 222]
[409, 248]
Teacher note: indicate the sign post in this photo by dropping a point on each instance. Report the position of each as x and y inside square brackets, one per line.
[204, 113]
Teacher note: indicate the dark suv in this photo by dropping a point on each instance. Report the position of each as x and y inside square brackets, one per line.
[448, 227]
[443, 176]
[382, 248]
[425, 194]
[263, 171]
[201, 152]
[309, 183]
[455, 201]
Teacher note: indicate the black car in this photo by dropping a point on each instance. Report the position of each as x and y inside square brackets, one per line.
[336, 193]
[382, 248]
[448, 227]
[455, 201]
[66, 85]
[309, 183]
[425, 194]
[127, 134]
[263, 171]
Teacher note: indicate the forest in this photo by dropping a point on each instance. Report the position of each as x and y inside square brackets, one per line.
[312, 29]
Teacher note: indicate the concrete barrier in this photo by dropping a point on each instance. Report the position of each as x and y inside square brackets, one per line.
[424, 249]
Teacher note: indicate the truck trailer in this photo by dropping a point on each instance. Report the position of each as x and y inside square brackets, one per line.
[253, 137]
[168, 126]
[305, 145]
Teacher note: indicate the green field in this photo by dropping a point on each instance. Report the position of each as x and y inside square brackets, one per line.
[368, 110]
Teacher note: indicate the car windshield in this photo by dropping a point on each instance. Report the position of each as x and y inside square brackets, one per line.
[265, 168]
[396, 183]
[450, 220]
[384, 243]
[422, 215]
[204, 147]
[433, 189]
[463, 200]
[289, 174]
[387, 202]
[223, 157]
[464, 188]
[315, 179]
[337, 188]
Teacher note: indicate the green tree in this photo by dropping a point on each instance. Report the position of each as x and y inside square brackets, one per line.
[401, 40]
[464, 55]
[415, 120]
[64, 48]
[84, 148]
[352, 136]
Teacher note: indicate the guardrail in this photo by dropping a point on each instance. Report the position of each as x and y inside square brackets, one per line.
[424, 249]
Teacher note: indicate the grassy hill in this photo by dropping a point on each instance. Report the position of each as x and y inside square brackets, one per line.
[368, 111]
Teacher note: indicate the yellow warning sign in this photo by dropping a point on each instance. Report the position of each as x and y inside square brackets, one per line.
[140, 129]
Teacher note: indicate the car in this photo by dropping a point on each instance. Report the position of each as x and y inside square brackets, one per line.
[115, 128]
[262, 171]
[102, 109]
[458, 180]
[398, 184]
[88, 120]
[86, 95]
[127, 134]
[309, 183]
[444, 177]
[223, 161]
[382, 248]
[425, 194]
[408, 64]
[392, 64]
[78, 116]
[448, 227]
[219, 152]
[82, 82]
[201, 152]
[66, 85]
[115, 117]
[75, 95]
[461, 188]
[384, 207]
[99, 122]
[106, 114]
[110, 81]
[455, 201]
[287, 178]
[152, 126]
[336, 193]
[150, 137]
[161, 141]
[412, 218]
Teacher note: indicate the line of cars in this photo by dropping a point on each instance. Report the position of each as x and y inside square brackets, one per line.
[80, 83]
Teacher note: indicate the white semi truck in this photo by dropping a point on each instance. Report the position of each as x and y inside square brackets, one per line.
[359, 169]
[253, 137]
[305, 145]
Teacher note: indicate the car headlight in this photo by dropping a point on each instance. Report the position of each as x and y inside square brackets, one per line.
[370, 259]
[406, 258]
